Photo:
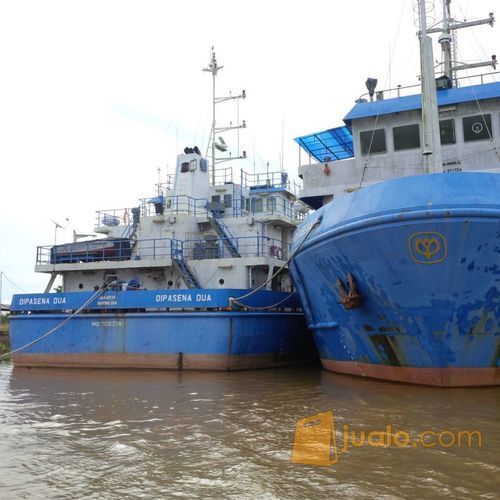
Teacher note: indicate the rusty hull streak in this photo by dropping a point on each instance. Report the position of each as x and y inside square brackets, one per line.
[440, 377]
[218, 362]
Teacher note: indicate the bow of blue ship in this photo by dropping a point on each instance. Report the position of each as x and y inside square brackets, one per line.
[423, 256]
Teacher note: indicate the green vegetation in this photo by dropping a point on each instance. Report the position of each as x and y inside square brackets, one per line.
[4, 348]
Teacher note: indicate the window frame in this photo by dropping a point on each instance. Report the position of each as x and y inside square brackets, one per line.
[366, 151]
[454, 131]
[406, 148]
[488, 127]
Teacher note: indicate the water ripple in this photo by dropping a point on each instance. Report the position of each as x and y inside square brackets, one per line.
[116, 434]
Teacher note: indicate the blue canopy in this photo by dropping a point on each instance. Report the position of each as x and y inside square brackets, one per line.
[330, 145]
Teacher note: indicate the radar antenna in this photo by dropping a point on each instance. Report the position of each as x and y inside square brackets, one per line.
[214, 68]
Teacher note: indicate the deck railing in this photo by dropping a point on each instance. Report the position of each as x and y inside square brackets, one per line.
[173, 205]
[160, 248]
[461, 81]
[247, 246]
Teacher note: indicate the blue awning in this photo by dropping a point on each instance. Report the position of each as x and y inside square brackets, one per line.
[330, 145]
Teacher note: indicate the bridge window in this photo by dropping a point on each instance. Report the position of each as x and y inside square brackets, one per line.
[372, 141]
[477, 128]
[185, 167]
[271, 204]
[406, 137]
[228, 201]
[447, 131]
[257, 204]
[215, 198]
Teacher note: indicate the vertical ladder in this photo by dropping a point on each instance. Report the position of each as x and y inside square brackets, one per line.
[181, 265]
[225, 234]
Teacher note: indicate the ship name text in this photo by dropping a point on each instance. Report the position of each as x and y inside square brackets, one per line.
[183, 297]
[41, 301]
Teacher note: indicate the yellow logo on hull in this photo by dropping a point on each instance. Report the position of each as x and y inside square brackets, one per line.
[427, 247]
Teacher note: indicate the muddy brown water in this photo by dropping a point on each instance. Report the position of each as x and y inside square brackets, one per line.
[148, 434]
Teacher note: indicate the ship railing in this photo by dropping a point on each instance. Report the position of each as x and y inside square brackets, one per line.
[263, 180]
[222, 175]
[104, 249]
[247, 246]
[272, 206]
[114, 217]
[117, 249]
[154, 248]
[168, 184]
[269, 180]
[171, 205]
[159, 248]
[461, 81]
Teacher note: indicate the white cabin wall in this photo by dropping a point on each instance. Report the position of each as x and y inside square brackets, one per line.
[346, 175]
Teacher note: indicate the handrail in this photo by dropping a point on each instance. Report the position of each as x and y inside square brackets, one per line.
[248, 246]
[160, 248]
[172, 205]
[457, 80]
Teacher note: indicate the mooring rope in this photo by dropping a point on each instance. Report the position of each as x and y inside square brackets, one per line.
[63, 322]
[255, 290]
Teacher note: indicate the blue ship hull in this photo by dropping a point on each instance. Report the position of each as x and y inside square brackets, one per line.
[106, 336]
[425, 256]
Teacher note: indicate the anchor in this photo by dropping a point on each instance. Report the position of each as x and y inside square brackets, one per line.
[349, 299]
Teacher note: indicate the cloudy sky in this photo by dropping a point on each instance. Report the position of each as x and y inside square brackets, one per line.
[95, 96]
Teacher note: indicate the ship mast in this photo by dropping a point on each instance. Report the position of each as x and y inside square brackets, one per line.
[447, 40]
[430, 120]
[214, 68]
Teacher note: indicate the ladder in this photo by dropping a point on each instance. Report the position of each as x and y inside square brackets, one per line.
[181, 265]
[225, 234]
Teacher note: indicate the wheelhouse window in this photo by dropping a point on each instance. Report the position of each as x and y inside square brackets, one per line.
[184, 167]
[228, 201]
[271, 204]
[257, 204]
[447, 131]
[406, 137]
[477, 128]
[372, 141]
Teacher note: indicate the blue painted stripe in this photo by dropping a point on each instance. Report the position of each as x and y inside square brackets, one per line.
[148, 299]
